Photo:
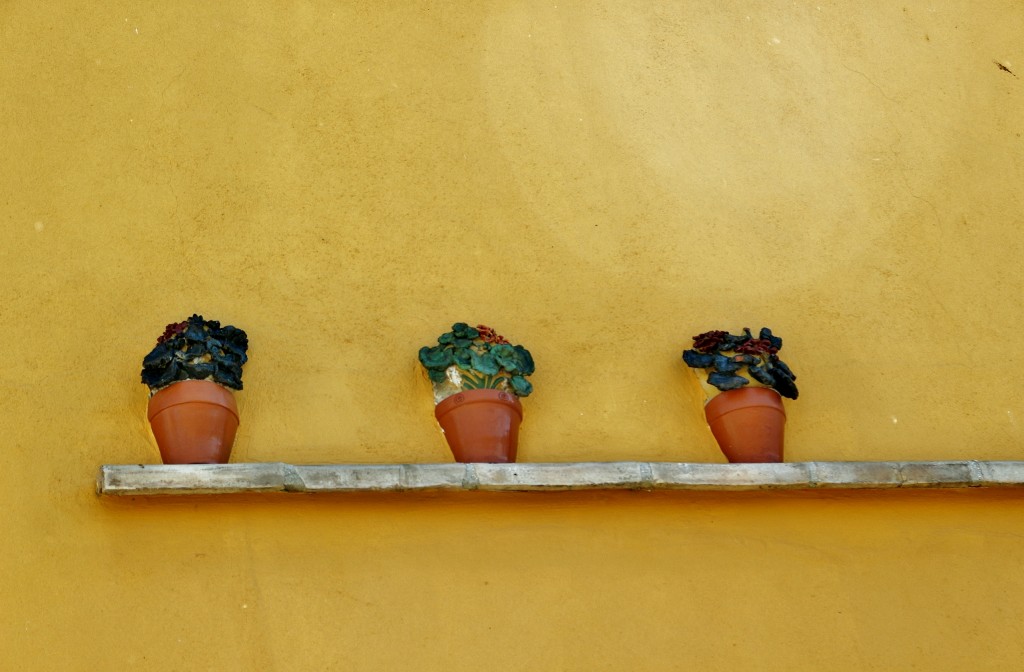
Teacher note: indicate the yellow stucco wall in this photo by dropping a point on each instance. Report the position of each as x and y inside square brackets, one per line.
[599, 181]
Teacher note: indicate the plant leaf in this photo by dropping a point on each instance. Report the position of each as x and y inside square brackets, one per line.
[786, 387]
[761, 375]
[725, 364]
[485, 363]
[437, 357]
[194, 332]
[726, 382]
[201, 370]
[526, 365]
[521, 386]
[161, 355]
[775, 341]
[463, 330]
[228, 378]
[777, 363]
[160, 377]
[505, 356]
[462, 358]
[698, 360]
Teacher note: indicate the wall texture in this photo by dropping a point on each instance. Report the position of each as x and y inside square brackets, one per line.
[600, 181]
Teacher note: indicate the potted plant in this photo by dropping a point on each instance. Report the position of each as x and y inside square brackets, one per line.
[744, 380]
[190, 374]
[478, 377]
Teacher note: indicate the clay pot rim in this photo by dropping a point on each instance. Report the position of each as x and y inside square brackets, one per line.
[479, 396]
[192, 392]
[745, 397]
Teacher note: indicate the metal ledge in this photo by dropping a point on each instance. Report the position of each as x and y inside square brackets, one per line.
[208, 479]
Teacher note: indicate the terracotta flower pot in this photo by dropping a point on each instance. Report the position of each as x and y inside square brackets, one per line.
[194, 422]
[481, 425]
[748, 424]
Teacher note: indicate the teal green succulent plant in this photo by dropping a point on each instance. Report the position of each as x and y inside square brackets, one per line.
[483, 359]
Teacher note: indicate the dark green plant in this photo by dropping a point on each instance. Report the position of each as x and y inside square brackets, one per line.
[726, 357]
[484, 359]
[196, 349]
